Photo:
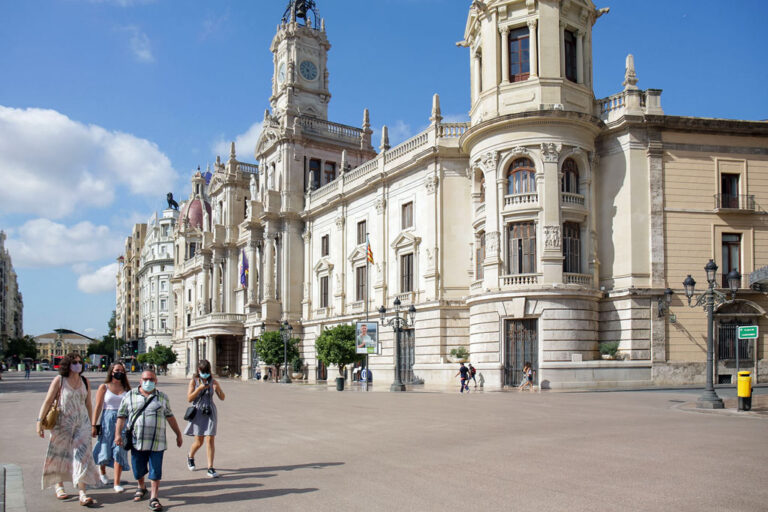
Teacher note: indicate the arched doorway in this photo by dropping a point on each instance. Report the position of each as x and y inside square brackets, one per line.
[731, 353]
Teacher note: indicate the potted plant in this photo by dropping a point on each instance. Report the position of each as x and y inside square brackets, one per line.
[337, 346]
[270, 348]
[609, 349]
[459, 355]
[298, 369]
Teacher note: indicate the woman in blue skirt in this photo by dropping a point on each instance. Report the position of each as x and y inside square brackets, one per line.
[108, 398]
[202, 425]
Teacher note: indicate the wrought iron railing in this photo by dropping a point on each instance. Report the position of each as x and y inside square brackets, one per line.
[735, 202]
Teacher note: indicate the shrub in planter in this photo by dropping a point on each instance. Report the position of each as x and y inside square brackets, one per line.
[298, 365]
[459, 353]
[337, 346]
[609, 348]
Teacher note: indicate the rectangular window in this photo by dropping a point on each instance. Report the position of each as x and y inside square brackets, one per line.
[519, 56]
[192, 249]
[324, 292]
[571, 248]
[329, 172]
[189, 319]
[729, 190]
[361, 231]
[163, 285]
[189, 295]
[407, 215]
[324, 245]
[163, 324]
[570, 55]
[361, 283]
[406, 273]
[314, 173]
[731, 255]
[163, 305]
[480, 256]
[521, 248]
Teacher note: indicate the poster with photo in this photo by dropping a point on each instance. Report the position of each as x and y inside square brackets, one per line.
[366, 337]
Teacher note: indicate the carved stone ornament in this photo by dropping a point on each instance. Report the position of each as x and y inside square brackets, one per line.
[431, 182]
[552, 237]
[492, 242]
[520, 150]
[380, 204]
[490, 160]
[307, 236]
[550, 152]
[339, 222]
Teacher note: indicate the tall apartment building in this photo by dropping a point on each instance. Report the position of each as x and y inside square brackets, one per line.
[11, 303]
[128, 300]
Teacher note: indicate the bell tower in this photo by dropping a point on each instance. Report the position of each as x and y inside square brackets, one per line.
[300, 49]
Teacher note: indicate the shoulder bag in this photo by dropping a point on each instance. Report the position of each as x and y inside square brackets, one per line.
[52, 416]
[128, 431]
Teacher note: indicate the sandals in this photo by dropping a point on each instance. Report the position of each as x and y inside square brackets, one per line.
[140, 493]
[154, 504]
[86, 501]
[61, 494]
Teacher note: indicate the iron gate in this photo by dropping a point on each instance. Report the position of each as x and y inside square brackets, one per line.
[727, 337]
[407, 355]
[521, 345]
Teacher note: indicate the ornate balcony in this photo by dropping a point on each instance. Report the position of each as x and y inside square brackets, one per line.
[520, 279]
[735, 203]
[571, 199]
[581, 279]
[526, 201]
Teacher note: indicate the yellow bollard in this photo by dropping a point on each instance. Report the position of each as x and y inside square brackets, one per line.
[744, 391]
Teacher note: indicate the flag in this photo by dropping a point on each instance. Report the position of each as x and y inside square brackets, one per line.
[244, 271]
[368, 251]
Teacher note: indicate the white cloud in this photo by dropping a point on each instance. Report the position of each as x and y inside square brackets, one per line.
[140, 44]
[213, 24]
[100, 281]
[51, 164]
[245, 144]
[44, 243]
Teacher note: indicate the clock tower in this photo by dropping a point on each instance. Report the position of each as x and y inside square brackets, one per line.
[300, 49]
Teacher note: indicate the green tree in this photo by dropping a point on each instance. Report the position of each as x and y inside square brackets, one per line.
[22, 347]
[337, 346]
[160, 356]
[269, 347]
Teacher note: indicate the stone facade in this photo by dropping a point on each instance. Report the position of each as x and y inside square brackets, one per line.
[60, 343]
[128, 321]
[11, 302]
[548, 225]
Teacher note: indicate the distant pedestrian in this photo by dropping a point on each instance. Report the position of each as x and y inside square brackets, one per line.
[464, 376]
[472, 373]
[527, 381]
[147, 409]
[106, 452]
[26, 370]
[69, 450]
[203, 424]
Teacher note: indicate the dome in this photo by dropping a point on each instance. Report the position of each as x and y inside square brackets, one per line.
[192, 211]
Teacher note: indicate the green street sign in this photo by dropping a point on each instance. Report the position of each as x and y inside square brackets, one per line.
[747, 332]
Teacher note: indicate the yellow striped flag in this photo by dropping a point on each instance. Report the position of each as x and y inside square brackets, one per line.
[369, 251]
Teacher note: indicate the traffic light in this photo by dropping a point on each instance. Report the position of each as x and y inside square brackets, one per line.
[135, 347]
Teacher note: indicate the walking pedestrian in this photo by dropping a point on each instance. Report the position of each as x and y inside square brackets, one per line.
[464, 373]
[147, 411]
[527, 381]
[106, 452]
[472, 373]
[202, 425]
[26, 370]
[69, 449]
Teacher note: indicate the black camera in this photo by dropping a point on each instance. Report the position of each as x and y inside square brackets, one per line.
[206, 409]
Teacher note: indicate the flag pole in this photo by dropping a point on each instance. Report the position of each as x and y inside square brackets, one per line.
[367, 267]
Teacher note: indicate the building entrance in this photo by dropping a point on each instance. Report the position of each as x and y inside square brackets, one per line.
[407, 355]
[228, 356]
[521, 345]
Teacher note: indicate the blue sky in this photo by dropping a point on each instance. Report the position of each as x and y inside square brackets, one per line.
[105, 105]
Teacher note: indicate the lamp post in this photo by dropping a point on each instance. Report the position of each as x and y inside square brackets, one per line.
[397, 323]
[285, 331]
[708, 299]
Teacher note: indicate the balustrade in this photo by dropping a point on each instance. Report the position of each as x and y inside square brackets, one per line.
[569, 198]
[452, 130]
[573, 278]
[248, 168]
[527, 199]
[520, 279]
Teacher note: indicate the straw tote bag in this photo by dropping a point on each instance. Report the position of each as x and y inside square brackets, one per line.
[52, 416]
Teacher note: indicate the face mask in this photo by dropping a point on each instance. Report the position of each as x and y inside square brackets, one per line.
[205, 375]
[76, 367]
[118, 375]
[148, 386]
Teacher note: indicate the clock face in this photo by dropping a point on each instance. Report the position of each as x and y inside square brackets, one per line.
[281, 73]
[308, 70]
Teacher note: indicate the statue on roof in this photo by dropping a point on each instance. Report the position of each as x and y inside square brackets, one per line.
[172, 204]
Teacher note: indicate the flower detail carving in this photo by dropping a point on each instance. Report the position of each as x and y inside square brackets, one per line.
[490, 160]
[550, 152]
[492, 242]
[431, 182]
[339, 222]
[552, 237]
[380, 204]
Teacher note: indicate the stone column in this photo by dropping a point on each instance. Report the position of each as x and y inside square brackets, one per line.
[580, 56]
[245, 372]
[552, 250]
[193, 356]
[211, 346]
[269, 271]
[215, 288]
[562, 49]
[252, 299]
[505, 55]
[306, 301]
[207, 286]
[533, 48]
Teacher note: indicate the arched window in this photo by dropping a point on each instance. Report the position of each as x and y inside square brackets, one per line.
[521, 177]
[482, 188]
[570, 180]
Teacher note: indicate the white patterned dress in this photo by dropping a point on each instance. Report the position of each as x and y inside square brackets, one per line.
[69, 457]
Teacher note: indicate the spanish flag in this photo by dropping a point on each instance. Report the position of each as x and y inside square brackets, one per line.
[368, 251]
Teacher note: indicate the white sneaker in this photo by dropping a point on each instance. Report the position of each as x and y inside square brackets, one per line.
[119, 488]
[104, 479]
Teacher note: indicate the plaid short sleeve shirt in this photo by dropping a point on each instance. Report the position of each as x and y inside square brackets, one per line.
[149, 429]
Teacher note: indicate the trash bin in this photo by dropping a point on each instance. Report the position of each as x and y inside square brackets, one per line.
[339, 383]
[744, 391]
[38, 367]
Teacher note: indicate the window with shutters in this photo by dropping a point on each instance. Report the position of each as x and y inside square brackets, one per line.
[324, 245]
[314, 173]
[406, 215]
[521, 177]
[361, 282]
[570, 180]
[324, 292]
[329, 172]
[521, 248]
[571, 248]
[519, 55]
[361, 230]
[480, 255]
[731, 250]
[406, 273]
[570, 55]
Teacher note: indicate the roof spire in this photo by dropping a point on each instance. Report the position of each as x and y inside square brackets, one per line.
[630, 77]
[436, 116]
[384, 138]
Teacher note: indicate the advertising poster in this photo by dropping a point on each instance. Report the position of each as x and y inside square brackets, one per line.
[366, 336]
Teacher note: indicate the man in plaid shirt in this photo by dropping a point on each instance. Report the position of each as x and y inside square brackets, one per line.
[149, 433]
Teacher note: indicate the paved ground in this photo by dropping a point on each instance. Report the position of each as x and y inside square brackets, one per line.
[311, 448]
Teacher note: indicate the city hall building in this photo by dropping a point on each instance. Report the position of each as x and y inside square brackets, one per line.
[547, 226]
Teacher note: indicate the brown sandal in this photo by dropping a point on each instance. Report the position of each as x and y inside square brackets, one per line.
[86, 501]
[139, 494]
[61, 494]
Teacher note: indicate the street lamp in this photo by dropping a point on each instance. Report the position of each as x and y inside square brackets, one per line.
[663, 303]
[708, 299]
[285, 331]
[397, 323]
